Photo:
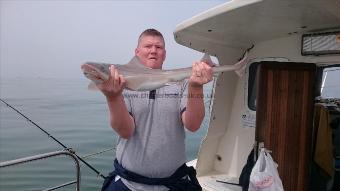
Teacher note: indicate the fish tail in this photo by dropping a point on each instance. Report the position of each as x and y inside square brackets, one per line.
[241, 65]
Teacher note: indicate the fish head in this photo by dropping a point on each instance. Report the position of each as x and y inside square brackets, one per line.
[96, 72]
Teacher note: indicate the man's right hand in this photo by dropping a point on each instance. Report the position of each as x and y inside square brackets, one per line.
[113, 87]
[120, 119]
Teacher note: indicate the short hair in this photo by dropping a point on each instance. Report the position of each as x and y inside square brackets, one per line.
[150, 32]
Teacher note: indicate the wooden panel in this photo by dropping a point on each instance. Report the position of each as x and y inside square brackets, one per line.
[284, 118]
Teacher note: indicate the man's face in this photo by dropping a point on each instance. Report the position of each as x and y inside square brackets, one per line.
[151, 51]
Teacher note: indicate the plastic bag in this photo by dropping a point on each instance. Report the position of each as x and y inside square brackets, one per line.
[264, 176]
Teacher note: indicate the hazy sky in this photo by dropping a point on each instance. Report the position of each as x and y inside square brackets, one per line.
[53, 38]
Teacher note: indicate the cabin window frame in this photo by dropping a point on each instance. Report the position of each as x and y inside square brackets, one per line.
[251, 85]
[250, 89]
[321, 70]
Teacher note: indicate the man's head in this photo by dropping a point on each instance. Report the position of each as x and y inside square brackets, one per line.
[151, 48]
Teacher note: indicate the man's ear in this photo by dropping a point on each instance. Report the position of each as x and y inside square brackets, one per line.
[136, 51]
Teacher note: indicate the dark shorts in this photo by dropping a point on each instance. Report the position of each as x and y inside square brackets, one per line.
[117, 186]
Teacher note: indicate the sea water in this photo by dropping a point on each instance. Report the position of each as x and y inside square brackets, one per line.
[75, 116]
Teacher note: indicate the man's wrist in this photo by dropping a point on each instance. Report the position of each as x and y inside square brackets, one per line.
[195, 91]
[113, 98]
[195, 87]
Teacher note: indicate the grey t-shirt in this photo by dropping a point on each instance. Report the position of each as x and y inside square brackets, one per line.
[157, 147]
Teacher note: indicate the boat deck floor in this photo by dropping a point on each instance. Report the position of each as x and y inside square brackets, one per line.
[212, 182]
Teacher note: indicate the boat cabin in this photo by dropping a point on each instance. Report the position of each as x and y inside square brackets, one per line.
[286, 98]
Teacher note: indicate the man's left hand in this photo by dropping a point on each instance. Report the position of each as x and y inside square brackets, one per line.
[201, 74]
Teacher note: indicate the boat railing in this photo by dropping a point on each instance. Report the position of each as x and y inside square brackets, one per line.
[49, 155]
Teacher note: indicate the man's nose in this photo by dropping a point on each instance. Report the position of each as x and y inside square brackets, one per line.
[153, 49]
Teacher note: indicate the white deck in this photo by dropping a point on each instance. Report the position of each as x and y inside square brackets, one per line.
[209, 182]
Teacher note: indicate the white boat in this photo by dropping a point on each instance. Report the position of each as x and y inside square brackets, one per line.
[288, 33]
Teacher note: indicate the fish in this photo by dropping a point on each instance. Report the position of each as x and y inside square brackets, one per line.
[142, 78]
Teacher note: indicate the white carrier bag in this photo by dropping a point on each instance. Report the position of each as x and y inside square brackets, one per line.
[264, 176]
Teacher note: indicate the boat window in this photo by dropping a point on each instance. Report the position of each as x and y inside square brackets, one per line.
[252, 86]
[330, 87]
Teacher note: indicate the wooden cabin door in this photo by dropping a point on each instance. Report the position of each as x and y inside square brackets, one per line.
[284, 112]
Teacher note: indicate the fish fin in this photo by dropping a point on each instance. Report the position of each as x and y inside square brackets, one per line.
[240, 72]
[136, 63]
[170, 83]
[207, 59]
[92, 86]
[173, 83]
[242, 64]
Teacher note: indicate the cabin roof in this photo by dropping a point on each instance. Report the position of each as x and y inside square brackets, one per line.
[241, 23]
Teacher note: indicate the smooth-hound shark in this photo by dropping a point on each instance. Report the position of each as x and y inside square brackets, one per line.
[141, 78]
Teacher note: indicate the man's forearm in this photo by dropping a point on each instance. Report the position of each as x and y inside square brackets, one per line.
[194, 114]
[120, 119]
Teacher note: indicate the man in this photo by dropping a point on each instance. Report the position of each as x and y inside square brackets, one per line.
[151, 128]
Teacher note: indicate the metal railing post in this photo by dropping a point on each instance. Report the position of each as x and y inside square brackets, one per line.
[48, 155]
